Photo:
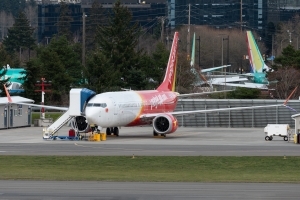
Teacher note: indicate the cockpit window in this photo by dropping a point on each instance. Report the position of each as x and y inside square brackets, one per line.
[103, 105]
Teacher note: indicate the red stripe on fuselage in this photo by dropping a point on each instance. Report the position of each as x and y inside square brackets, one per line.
[154, 101]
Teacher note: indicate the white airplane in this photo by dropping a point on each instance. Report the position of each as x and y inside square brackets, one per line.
[112, 110]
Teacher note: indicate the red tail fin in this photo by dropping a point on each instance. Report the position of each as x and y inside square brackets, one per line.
[7, 94]
[168, 83]
[290, 96]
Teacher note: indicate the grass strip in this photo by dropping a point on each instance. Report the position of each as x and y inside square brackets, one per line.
[151, 169]
[53, 115]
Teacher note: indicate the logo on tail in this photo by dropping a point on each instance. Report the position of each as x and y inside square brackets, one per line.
[168, 83]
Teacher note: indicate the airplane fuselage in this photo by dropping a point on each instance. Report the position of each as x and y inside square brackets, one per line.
[115, 109]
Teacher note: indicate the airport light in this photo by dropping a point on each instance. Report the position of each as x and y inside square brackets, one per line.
[43, 84]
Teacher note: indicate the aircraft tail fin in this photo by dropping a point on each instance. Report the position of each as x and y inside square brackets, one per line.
[7, 94]
[256, 60]
[168, 83]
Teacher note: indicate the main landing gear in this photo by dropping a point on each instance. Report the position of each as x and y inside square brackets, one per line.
[155, 134]
[112, 131]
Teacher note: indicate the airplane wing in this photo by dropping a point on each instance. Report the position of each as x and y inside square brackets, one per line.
[181, 113]
[42, 106]
[11, 101]
[214, 68]
[246, 85]
[201, 93]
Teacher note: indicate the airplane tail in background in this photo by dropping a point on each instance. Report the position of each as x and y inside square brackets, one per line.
[7, 94]
[168, 83]
[256, 60]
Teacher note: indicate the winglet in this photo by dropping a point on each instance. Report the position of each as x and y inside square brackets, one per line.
[290, 96]
[7, 94]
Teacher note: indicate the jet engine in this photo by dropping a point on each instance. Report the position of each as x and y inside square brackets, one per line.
[165, 123]
[80, 123]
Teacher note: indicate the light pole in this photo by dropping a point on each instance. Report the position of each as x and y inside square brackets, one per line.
[83, 38]
[222, 61]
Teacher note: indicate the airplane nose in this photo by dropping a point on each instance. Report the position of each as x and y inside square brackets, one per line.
[92, 115]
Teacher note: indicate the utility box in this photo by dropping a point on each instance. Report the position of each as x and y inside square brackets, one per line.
[281, 130]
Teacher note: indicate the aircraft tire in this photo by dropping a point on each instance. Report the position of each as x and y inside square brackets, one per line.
[116, 131]
[285, 138]
[154, 133]
[267, 138]
[163, 135]
[108, 131]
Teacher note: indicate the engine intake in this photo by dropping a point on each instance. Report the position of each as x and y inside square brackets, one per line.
[165, 124]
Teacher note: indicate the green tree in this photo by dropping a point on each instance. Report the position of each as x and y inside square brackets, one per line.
[93, 21]
[59, 63]
[290, 57]
[159, 60]
[100, 74]
[69, 56]
[286, 74]
[3, 81]
[117, 42]
[243, 93]
[19, 35]
[32, 75]
[5, 58]
[64, 21]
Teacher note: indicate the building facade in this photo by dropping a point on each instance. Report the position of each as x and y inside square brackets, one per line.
[146, 13]
[246, 14]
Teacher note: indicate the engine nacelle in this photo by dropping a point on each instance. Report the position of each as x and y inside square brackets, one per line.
[165, 123]
[81, 123]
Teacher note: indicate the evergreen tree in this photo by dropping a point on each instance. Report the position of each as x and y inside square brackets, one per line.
[69, 55]
[57, 62]
[244, 93]
[101, 76]
[5, 58]
[117, 42]
[289, 58]
[64, 21]
[93, 21]
[160, 60]
[32, 75]
[3, 81]
[19, 35]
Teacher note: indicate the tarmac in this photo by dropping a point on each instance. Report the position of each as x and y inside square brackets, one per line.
[186, 141]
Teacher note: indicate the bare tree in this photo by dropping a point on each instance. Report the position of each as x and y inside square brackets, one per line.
[287, 33]
[283, 81]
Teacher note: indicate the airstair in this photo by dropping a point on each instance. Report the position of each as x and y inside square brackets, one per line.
[49, 132]
[78, 99]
